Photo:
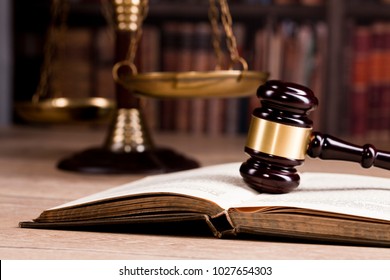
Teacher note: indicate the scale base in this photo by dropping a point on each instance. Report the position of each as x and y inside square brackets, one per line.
[105, 161]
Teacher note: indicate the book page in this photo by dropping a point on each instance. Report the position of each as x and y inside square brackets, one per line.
[340, 193]
[221, 184]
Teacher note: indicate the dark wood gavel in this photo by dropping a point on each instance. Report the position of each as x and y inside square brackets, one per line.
[280, 135]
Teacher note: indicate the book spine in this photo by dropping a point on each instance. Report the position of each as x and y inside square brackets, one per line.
[105, 85]
[200, 62]
[369, 82]
[361, 42]
[221, 225]
[215, 112]
[171, 31]
[319, 73]
[260, 63]
[215, 106]
[73, 67]
[275, 54]
[376, 83]
[150, 62]
[291, 50]
[386, 79]
[232, 105]
[184, 64]
[385, 82]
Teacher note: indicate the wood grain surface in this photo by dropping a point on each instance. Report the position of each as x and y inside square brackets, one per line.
[31, 183]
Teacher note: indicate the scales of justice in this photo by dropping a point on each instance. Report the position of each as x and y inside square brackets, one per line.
[128, 147]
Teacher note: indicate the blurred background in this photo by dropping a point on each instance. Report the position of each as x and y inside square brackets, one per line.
[338, 48]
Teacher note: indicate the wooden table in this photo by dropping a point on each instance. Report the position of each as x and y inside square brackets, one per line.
[31, 183]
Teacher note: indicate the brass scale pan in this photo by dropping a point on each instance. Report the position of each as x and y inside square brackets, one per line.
[192, 84]
[47, 104]
[66, 110]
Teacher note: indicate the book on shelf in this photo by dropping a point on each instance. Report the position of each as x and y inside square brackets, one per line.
[376, 94]
[359, 79]
[386, 80]
[184, 63]
[319, 71]
[326, 207]
[104, 85]
[203, 60]
[369, 80]
[149, 57]
[233, 106]
[169, 54]
[73, 64]
[295, 52]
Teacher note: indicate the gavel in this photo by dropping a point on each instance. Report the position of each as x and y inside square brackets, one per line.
[280, 135]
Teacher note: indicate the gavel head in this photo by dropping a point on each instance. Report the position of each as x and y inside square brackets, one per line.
[278, 137]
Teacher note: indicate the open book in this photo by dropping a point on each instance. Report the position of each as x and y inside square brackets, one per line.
[325, 207]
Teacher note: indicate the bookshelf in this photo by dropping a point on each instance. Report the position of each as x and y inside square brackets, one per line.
[5, 63]
[335, 14]
[339, 15]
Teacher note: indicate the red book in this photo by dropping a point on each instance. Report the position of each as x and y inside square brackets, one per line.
[360, 62]
[385, 120]
[376, 86]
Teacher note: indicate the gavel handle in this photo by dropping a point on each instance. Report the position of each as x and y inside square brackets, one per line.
[328, 147]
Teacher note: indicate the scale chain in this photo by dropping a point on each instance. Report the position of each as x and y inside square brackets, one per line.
[231, 41]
